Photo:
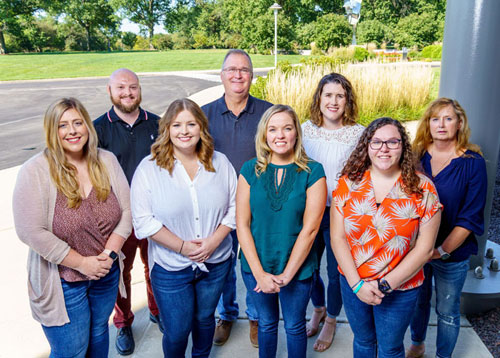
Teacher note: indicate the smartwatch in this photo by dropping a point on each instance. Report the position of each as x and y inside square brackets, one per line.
[111, 254]
[384, 286]
[444, 255]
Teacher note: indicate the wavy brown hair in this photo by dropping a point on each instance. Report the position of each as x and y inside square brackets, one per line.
[263, 151]
[351, 107]
[423, 138]
[359, 161]
[162, 149]
[63, 173]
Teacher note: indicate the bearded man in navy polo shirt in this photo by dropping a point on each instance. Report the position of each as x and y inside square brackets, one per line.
[233, 121]
[128, 131]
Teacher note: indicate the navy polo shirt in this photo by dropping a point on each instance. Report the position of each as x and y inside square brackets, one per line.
[235, 135]
[130, 144]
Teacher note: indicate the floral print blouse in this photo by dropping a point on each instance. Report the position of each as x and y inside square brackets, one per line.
[379, 237]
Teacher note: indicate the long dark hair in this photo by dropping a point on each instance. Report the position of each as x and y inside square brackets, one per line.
[359, 161]
[351, 107]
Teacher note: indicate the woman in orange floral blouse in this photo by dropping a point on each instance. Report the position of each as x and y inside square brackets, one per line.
[383, 230]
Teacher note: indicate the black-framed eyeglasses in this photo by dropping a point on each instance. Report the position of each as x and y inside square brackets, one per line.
[377, 144]
[234, 70]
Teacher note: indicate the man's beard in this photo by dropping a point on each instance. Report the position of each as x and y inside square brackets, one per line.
[126, 109]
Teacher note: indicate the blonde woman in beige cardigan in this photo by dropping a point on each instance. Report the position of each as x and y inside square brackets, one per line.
[71, 207]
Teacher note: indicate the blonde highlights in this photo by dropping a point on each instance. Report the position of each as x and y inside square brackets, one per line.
[263, 151]
[63, 173]
[423, 138]
[162, 149]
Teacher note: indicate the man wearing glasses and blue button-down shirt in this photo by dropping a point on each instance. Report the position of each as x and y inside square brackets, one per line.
[233, 121]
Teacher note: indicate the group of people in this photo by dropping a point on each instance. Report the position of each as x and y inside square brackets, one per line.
[242, 173]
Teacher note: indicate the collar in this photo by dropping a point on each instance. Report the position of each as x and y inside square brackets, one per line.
[113, 117]
[222, 106]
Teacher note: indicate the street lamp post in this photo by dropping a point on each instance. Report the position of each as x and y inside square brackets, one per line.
[275, 7]
[353, 8]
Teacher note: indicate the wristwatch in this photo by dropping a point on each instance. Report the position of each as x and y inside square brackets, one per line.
[384, 286]
[111, 254]
[444, 255]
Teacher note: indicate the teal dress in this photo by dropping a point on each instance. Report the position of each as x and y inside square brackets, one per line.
[277, 214]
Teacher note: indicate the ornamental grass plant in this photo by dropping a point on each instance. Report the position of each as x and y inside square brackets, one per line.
[401, 90]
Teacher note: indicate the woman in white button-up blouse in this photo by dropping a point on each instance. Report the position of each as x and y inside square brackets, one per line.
[182, 199]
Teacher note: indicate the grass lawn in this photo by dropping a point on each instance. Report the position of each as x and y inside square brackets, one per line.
[66, 65]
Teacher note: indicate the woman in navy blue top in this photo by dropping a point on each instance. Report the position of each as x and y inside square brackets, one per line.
[459, 173]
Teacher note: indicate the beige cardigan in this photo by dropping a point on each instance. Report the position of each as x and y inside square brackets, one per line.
[33, 206]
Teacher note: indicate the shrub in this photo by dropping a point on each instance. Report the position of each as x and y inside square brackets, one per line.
[360, 54]
[163, 42]
[141, 43]
[181, 42]
[432, 51]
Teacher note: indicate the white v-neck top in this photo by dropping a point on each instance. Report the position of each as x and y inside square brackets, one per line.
[332, 148]
[190, 209]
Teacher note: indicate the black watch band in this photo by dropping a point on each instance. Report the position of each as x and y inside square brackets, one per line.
[384, 286]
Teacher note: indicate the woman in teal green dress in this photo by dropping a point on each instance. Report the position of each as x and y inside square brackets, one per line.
[280, 201]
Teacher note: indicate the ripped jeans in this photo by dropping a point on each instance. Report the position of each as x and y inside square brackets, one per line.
[449, 279]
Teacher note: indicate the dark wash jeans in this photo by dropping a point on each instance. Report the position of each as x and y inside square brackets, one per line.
[379, 327]
[334, 298]
[294, 298]
[89, 305]
[187, 300]
[449, 279]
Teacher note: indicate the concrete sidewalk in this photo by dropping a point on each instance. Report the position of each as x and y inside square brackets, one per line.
[22, 336]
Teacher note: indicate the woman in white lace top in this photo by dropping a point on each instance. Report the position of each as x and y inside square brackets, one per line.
[329, 138]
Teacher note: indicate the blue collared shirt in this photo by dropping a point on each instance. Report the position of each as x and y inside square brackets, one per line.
[235, 135]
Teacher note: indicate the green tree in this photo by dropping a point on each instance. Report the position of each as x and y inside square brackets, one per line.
[128, 39]
[11, 15]
[145, 13]
[91, 15]
[332, 30]
[373, 31]
[417, 30]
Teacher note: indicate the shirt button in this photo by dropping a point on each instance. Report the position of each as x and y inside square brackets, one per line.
[196, 218]
[197, 235]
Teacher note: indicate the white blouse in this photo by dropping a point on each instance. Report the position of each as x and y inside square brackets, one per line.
[332, 148]
[190, 209]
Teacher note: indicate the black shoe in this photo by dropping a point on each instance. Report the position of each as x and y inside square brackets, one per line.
[125, 344]
[156, 319]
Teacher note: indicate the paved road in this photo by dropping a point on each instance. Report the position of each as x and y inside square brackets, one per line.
[22, 105]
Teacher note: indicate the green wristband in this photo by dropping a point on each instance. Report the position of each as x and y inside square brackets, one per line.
[358, 287]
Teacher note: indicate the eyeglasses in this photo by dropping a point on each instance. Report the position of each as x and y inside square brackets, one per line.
[377, 144]
[233, 70]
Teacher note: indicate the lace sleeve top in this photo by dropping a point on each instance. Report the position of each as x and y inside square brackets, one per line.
[331, 148]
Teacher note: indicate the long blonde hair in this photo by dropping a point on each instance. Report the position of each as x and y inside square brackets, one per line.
[162, 149]
[423, 138]
[63, 173]
[262, 149]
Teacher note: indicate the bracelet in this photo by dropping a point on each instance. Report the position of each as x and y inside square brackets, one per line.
[181, 247]
[358, 287]
[357, 283]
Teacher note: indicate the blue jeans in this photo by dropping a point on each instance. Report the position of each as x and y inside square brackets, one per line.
[89, 305]
[382, 326]
[187, 300]
[334, 298]
[449, 279]
[294, 298]
[228, 307]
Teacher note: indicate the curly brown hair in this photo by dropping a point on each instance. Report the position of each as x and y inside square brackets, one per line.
[162, 149]
[351, 107]
[359, 161]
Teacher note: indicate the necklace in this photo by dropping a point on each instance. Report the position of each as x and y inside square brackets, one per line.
[443, 165]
